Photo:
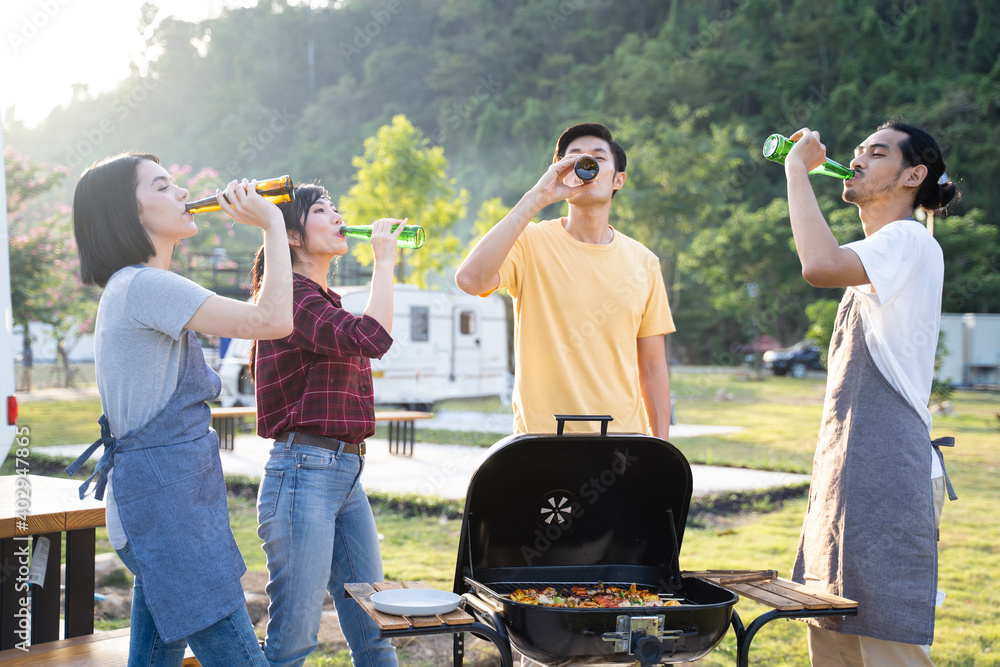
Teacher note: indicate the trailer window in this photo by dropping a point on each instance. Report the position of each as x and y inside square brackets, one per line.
[467, 322]
[419, 323]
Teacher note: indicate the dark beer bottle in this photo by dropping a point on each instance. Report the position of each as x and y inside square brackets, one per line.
[586, 168]
[776, 149]
[276, 190]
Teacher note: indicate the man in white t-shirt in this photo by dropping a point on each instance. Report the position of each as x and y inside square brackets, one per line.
[870, 531]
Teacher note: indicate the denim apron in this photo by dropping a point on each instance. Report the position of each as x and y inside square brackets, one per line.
[869, 532]
[171, 498]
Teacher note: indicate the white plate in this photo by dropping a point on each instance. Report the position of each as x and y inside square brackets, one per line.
[415, 601]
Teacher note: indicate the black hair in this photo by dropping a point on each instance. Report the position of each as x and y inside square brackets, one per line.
[294, 212]
[571, 134]
[106, 223]
[917, 148]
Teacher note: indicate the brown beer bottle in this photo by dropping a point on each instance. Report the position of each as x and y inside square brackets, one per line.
[277, 190]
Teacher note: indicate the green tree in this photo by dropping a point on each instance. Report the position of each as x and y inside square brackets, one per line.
[401, 176]
[822, 315]
[971, 247]
[489, 214]
[44, 266]
[753, 247]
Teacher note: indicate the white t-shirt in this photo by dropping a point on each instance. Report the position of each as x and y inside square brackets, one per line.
[902, 314]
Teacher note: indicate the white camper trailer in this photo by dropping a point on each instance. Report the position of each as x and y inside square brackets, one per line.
[8, 428]
[446, 344]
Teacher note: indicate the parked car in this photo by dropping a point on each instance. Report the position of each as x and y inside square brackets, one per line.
[798, 359]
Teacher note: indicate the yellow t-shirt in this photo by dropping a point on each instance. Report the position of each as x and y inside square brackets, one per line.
[578, 310]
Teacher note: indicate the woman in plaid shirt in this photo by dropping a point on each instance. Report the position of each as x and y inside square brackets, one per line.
[314, 398]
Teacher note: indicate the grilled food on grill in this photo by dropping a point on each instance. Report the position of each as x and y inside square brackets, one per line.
[592, 597]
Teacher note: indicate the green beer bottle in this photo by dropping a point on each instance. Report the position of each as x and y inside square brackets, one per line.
[412, 236]
[776, 148]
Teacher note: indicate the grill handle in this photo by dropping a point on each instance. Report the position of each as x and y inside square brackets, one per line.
[562, 419]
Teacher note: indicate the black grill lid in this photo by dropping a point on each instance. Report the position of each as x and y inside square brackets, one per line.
[581, 503]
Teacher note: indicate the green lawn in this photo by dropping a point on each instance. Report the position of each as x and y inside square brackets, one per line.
[780, 417]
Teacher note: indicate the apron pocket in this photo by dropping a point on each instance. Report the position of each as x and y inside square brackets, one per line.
[173, 463]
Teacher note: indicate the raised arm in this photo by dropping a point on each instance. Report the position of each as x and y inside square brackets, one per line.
[271, 315]
[824, 262]
[384, 250]
[480, 272]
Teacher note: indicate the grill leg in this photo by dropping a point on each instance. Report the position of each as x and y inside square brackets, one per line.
[459, 649]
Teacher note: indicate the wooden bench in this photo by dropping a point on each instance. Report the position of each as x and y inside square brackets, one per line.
[108, 649]
[402, 430]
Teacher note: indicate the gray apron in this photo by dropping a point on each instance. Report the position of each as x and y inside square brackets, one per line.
[171, 498]
[869, 532]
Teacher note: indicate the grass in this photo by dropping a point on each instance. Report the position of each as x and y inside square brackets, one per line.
[780, 417]
[61, 422]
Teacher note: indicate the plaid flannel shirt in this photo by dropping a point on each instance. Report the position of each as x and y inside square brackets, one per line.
[318, 380]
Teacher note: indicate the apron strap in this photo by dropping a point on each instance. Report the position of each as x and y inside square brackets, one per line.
[104, 465]
[946, 441]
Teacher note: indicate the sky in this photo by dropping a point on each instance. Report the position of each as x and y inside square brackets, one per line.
[49, 45]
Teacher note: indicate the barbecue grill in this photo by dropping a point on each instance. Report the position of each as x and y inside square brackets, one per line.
[587, 509]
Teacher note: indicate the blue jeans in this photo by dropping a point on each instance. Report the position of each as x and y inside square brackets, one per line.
[319, 533]
[230, 641]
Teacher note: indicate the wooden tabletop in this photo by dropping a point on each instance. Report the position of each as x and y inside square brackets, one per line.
[54, 505]
[380, 415]
[766, 587]
[401, 415]
[104, 649]
[362, 593]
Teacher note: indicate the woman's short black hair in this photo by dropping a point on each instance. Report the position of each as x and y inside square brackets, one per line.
[106, 223]
[919, 147]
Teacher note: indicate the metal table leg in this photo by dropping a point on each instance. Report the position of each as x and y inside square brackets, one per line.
[744, 636]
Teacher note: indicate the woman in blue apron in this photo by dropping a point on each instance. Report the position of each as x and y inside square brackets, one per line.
[160, 471]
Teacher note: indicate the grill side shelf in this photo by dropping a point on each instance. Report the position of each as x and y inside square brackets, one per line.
[362, 593]
[773, 591]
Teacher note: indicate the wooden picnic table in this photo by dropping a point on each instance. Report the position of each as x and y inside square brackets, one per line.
[32, 507]
[402, 429]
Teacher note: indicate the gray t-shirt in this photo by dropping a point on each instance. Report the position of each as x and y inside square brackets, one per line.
[138, 352]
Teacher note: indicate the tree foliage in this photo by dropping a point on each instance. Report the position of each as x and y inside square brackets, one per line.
[401, 176]
[691, 90]
[44, 265]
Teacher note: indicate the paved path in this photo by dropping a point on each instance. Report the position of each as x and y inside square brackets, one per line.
[445, 470]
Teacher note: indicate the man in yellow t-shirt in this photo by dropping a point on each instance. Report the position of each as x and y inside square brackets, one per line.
[590, 307]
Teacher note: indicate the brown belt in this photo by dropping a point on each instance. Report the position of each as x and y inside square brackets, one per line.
[320, 441]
